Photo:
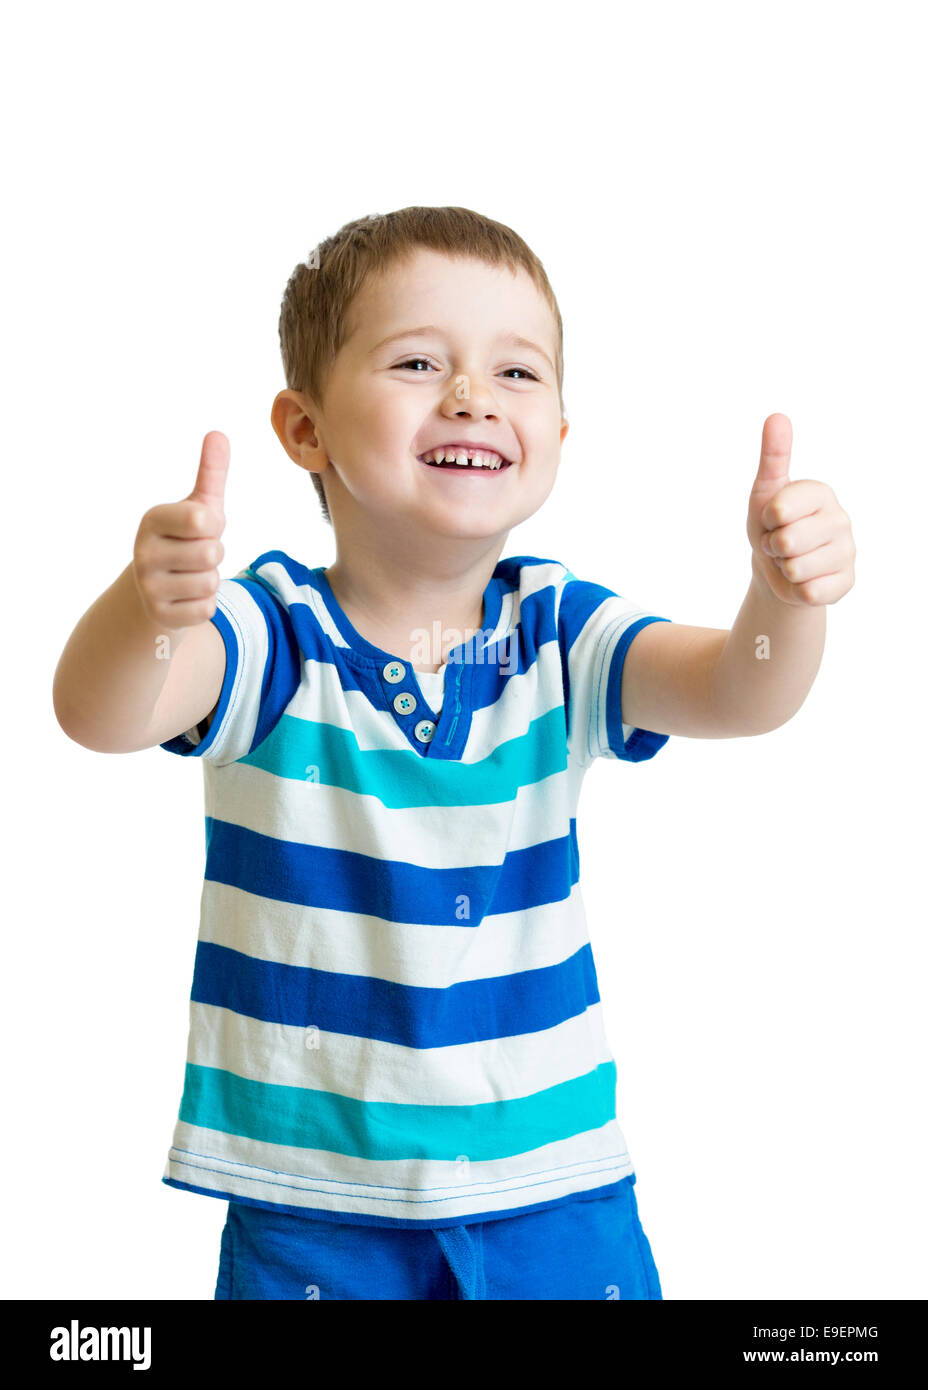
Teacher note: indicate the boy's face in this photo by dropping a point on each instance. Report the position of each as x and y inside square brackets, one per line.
[461, 380]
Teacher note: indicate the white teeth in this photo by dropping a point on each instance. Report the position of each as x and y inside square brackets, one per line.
[479, 459]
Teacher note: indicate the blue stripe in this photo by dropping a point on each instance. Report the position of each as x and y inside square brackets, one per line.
[283, 669]
[643, 743]
[346, 881]
[280, 679]
[180, 743]
[579, 601]
[501, 1006]
[301, 1118]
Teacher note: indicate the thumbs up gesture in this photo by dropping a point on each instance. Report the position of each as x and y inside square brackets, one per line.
[177, 548]
[801, 541]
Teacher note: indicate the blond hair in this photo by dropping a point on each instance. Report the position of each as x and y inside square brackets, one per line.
[319, 293]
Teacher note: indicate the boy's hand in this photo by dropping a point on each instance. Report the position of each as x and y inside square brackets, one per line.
[801, 541]
[178, 548]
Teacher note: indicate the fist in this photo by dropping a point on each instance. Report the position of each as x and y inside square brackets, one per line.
[177, 548]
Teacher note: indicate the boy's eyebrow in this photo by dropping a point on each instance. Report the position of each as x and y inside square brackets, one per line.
[427, 328]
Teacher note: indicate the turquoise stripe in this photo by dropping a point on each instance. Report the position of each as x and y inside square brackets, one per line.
[303, 750]
[306, 1119]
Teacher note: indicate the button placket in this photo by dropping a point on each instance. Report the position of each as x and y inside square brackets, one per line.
[405, 702]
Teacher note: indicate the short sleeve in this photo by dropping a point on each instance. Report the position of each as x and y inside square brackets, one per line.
[596, 627]
[262, 672]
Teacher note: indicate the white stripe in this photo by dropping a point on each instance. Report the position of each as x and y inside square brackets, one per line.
[406, 953]
[588, 664]
[290, 592]
[409, 1189]
[367, 1069]
[312, 812]
[534, 578]
[622, 620]
[525, 698]
[508, 617]
[236, 731]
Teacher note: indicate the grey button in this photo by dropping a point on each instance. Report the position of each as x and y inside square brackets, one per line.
[394, 672]
[404, 703]
[424, 730]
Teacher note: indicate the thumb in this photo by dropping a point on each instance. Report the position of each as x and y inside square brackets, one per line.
[775, 448]
[210, 485]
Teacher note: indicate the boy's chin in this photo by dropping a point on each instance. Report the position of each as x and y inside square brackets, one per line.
[462, 523]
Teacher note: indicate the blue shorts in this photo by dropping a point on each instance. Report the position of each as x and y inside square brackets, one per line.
[582, 1249]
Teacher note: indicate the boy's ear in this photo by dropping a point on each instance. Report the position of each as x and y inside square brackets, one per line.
[292, 416]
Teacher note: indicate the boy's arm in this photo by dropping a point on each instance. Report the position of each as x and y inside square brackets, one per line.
[705, 682]
[123, 683]
[708, 683]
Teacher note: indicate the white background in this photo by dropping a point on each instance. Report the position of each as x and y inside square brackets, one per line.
[729, 202]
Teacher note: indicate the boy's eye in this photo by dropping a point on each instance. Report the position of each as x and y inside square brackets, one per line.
[409, 361]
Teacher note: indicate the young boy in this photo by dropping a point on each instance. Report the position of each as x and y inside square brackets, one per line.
[397, 1072]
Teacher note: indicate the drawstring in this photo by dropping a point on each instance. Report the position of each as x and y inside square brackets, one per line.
[458, 1249]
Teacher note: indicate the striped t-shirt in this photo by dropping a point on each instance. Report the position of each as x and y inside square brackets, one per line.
[395, 1017]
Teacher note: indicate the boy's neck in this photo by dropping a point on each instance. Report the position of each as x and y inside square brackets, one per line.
[386, 607]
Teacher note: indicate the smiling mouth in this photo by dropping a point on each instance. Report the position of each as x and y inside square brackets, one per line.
[464, 461]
